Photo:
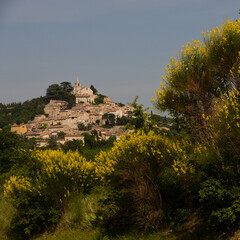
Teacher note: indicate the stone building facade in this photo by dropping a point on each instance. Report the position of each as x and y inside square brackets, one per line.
[83, 94]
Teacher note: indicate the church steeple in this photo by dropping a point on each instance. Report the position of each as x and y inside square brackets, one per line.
[78, 86]
[78, 83]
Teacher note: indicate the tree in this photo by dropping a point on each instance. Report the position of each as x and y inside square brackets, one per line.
[123, 120]
[12, 150]
[95, 91]
[61, 135]
[99, 99]
[82, 127]
[74, 145]
[61, 92]
[110, 119]
[89, 140]
[140, 116]
[55, 92]
[52, 143]
[66, 86]
[200, 75]
[121, 104]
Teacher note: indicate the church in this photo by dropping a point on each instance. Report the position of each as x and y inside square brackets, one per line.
[83, 94]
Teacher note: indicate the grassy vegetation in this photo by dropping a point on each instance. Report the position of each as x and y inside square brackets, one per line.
[6, 214]
[79, 234]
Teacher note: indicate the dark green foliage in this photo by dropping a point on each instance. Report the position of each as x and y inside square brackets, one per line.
[61, 135]
[35, 214]
[92, 145]
[99, 99]
[124, 121]
[74, 145]
[112, 214]
[160, 120]
[82, 127]
[52, 143]
[109, 119]
[138, 113]
[61, 92]
[95, 91]
[141, 120]
[121, 104]
[66, 86]
[221, 203]
[55, 92]
[21, 112]
[12, 150]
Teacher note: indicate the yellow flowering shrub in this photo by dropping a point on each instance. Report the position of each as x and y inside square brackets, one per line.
[58, 174]
[133, 147]
[15, 187]
[142, 167]
[140, 146]
[68, 170]
[224, 125]
[202, 71]
[41, 193]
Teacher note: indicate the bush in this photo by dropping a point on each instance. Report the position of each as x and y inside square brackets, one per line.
[219, 164]
[40, 195]
[141, 166]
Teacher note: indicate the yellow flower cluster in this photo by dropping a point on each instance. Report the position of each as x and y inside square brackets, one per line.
[180, 167]
[181, 164]
[229, 109]
[54, 162]
[15, 186]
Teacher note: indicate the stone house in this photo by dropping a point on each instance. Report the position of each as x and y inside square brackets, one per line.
[19, 129]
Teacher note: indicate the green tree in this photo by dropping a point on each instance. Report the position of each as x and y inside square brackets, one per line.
[61, 92]
[95, 91]
[55, 92]
[141, 119]
[99, 99]
[89, 140]
[12, 150]
[52, 143]
[66, 86]
[61, 135]
[123, 120]
[74, 145]
[110, 119]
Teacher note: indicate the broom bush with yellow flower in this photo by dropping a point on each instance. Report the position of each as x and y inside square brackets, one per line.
[40, 195]
[142, 168]
[202, 72]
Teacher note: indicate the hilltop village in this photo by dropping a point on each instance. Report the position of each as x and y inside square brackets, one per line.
[85, 116]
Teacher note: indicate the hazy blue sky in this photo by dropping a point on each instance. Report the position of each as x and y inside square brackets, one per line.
[119, 46]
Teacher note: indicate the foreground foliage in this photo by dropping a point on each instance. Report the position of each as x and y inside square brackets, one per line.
[147, 182]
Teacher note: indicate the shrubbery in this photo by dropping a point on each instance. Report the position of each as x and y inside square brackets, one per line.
[148, 181]
[40, 195]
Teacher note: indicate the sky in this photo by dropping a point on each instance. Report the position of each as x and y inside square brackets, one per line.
[119, 46]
